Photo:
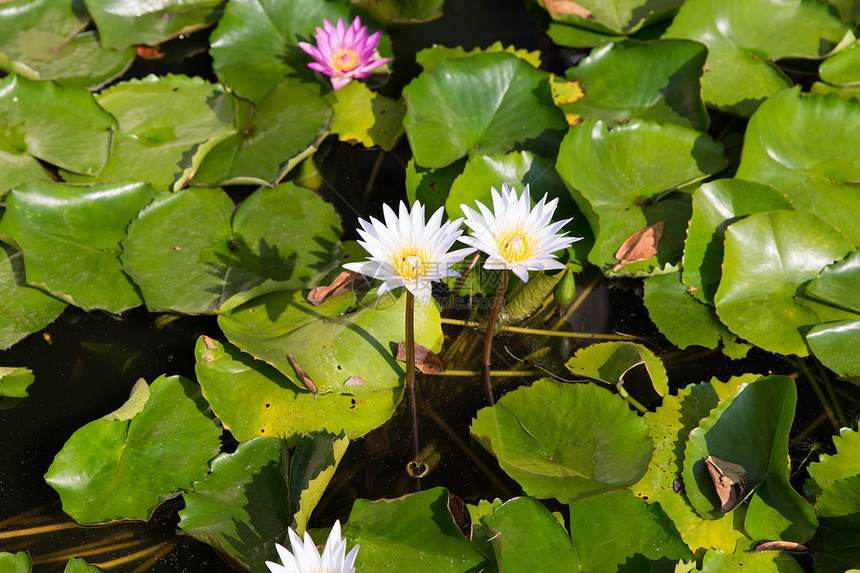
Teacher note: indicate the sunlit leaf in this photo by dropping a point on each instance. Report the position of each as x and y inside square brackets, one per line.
[122, 23]
[23, 309]
[835, 345]
[716, 561]
[526, 537]
[251, 398]
[567, 441]
[768, 257]
[14, 381]
[716, 205]
[362, 116]
[483, 104]
[332, 342]
[70, 236]
[617, 92]
[59, 125]
[413, 533]
[403, 11]
[255, 44]
[744, 36]
[167, 124]
[604, 541]
[843, 68]
[46, 40]
[528, 297]
[630, 170]
[434, 55]
[15, 562]
[832, 467]
[817, 171]
[249, 499]
[278, 238]
[123, 469]
[610, 361]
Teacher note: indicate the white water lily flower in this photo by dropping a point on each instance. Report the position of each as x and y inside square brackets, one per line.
[306, 559]
[514, 235]
[406, 251]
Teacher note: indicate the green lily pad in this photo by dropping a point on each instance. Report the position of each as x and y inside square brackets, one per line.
[669, 427]
[167, 124]
[836, 284]
[60, 125]
[768, 258]
[616, 91]
[744, 36]
[750, 429]
[630, 169]
[842, 69]
[434, 55]
[15, 562]
[255, 44]
[251, 398]
[616, 16]
[14, 381]
[46, 40]
[567, 441]
[577, 37]
[835, 345]
[249, 499]
[19, 168]
[832, 467]
[526, 537]
[610, 362]
[685, 321]
[80, 566]
[272, 138]
[431, 186]
[330, 343]
[716, 205]
[123, 469]
[484, 104]
[818, 172]
[280, 238]
[605, 541]
[838, 511]
[400, 12]
[413, 533]
[716, 561]
[363, 116]
[23, 309]
[70, 236]
[123, 23]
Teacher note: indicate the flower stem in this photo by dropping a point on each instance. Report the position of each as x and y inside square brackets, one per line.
[410, 372]
[498, 301]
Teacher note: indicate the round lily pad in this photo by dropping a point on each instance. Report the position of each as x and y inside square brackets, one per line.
[567, 441]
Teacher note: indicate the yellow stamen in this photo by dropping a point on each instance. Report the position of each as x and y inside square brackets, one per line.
[514, 246]
[410, 265]
[344, 60]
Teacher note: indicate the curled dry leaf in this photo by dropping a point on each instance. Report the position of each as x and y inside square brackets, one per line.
[306, 380]
[789, 546]
[565, 7]
[345, 281]
[425, 359]
[729, 481]
[639, 246]
[149, 52]
[461, 515]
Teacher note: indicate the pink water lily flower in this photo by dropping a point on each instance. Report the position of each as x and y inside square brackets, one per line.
[344, 53]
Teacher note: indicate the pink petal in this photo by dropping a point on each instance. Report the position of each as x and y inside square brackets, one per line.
[338, 82]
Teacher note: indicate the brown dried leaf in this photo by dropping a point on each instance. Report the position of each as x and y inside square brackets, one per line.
[345, 281]
[149, 52]
[640, 245]
[729, 481]
[461, 515]
[306, 380]
[565, 7]
[425, 360]
[789, 546]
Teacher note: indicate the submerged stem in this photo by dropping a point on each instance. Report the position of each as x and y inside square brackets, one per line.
[410, 371]
[498, 301]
